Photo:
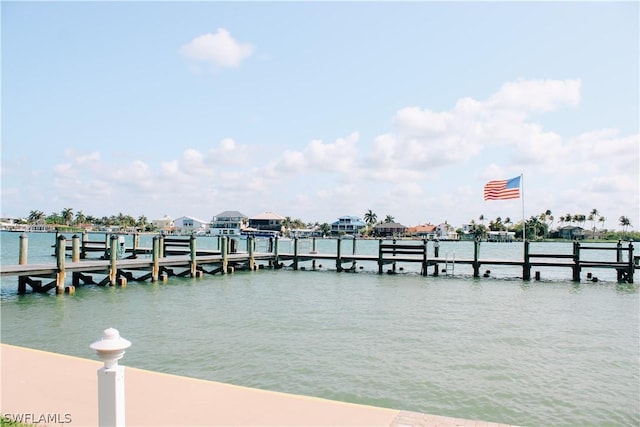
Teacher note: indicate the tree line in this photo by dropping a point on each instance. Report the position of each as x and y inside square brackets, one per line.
[536, 227]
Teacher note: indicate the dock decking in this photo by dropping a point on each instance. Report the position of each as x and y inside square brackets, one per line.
[180, 257]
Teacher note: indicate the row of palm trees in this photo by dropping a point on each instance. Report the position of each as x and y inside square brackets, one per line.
[370, 218]
[67, 217]
[79, 219]
[548, 218]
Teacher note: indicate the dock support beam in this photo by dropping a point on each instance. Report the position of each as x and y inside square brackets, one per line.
[224, 248]
[155, 255]
[631, 266]
[353, 252]
[24, 245]
[295, 253]
[276, 258]
[339, 255]
[436, 254]
[380, 266]
[526, 265]
[75, 248]
[476, 255]
[313, 251]
[425, 263]
[192, 248]
[85, 239]
[576, 261]
[134, 247]
[61, 243]
[113, 269]
[251, 248]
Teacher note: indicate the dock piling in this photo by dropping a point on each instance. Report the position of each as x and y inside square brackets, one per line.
[24, 245]
[224, 248]
[192, 248]
[61, 243]
[113, 268]
[476, 256]
[155, 253]
[251, 248]
[276, 258]
[75, 248]
[526, 265]
[436, 252]
[576, 261]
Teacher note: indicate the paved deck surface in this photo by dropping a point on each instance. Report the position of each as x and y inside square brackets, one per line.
[63, 389]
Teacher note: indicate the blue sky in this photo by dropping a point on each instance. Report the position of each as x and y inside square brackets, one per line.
[318, 110]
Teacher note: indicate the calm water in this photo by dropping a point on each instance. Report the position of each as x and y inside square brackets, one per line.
[498, 349]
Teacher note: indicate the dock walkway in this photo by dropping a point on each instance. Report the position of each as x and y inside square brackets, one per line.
[63, 389]
[182, 258]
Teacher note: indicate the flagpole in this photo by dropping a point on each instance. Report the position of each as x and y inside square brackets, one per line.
[524, 224]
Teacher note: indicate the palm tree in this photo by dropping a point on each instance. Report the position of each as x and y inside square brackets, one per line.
[624, 222]
[36, 216]
[602, 220]
[548, 216]
[80, 218]
[507, 221]
[142, 222]
[326, 228]
[67, 215]
[592, 217]
[370, 218]
[286, 223]
[389, 219]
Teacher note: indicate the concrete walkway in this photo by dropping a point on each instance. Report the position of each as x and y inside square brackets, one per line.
[62, 391]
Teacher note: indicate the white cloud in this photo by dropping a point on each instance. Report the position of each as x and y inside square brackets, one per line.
[431, 166]
[536, 95]
[218, 49]
[230, 153]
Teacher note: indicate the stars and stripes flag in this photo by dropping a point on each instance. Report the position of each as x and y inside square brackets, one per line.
[502, 189]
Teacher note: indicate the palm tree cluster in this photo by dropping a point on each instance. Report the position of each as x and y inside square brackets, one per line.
[539, 226]
[67, 217]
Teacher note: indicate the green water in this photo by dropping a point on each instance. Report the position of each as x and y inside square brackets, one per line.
[496, 349]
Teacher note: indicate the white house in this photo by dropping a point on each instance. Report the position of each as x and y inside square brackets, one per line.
[163, 224]
[189, 225]
[347, 224]
[446, 232]
[228, 223]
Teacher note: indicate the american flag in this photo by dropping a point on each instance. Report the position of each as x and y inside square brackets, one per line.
[502, 189]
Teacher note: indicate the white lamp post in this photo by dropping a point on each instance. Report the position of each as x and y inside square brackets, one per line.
[110, 349]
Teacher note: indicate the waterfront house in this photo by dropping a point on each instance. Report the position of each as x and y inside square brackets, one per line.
[570, 232]
[389, 229]
[164, 224]
[267, 221]
[228, 223]
[446, 232]
[190, 225]
[425, 231]
[347, 225]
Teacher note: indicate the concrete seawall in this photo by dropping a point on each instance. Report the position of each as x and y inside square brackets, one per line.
[57, 390]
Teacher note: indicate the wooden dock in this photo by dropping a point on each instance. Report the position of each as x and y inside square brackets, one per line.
[179, 256]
